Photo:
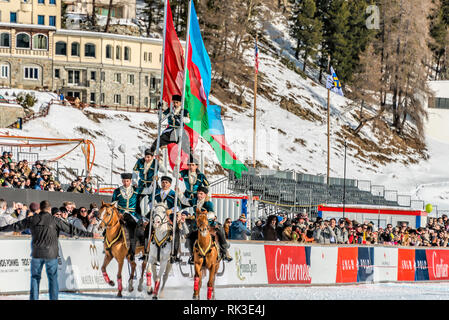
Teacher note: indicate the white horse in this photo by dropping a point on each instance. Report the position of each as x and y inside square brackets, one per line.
[160, 249]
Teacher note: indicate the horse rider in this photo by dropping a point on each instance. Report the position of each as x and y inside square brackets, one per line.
[126, 197]
[167, 195]
[193, 178]
[171, 134]
[201, 203]
[143, 176]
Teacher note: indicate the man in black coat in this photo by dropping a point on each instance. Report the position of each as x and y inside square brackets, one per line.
[45, 230]
[269, 229]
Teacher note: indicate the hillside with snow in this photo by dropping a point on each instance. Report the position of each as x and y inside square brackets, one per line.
[291, 130]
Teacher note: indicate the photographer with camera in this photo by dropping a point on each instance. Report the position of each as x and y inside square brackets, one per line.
[324, 234]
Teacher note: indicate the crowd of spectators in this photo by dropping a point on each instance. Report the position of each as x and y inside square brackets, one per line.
[37, 176]
[83, 218]
[301, 229]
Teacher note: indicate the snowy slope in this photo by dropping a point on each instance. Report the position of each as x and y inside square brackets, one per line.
[285, 140]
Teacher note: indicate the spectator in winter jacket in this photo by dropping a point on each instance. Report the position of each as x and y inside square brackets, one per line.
[269, 229]
[287, 233]
[11, 215]
[324, 233]
[257, 231]
[238, 229]
[226, 226]
[342, 232]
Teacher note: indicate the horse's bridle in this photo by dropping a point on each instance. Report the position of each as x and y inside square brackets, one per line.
[106, 224]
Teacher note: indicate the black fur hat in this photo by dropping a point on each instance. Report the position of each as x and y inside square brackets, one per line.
[126, 176]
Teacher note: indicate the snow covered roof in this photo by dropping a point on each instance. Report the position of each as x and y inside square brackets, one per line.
[26, 26]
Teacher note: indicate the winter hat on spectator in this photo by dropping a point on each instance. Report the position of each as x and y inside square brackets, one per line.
[34, 206]
[279, 218]
[54, 211]
[242, 217]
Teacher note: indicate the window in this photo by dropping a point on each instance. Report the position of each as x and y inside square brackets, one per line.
[52, 1]
[61, 48]
[4, 40]
[57, 73]
[93, 75]
[150, 56]
[103, 76]
[41, 20]
[117, 98]
[23, 41]
[4, 71]
[130, 100]
[118, 77]
[127, 55]
[75, 49]
[89, 50]
[108, 51]
[30, 73]
[52, 21]
[118, 53]
[73, 77]
[13, 17]
[130, 79]
[442, 103]
[40, 42]
[146, 80]
[145, 101]
[41, 1]
[155, 82]
[160, 57]
[92, 97]
[144, 56]
[102, 97]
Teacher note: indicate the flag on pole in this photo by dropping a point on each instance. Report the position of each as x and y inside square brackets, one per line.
[256, 57]
[173, 82]
[333, 83]
[205, 119]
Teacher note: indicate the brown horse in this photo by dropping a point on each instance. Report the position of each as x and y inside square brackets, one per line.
[205, 253]
[115, 246]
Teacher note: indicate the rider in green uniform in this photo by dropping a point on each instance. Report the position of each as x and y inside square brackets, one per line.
[126, 197]
[202, 203]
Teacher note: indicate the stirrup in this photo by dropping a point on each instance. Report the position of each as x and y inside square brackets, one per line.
[191, 260]
[225, 256]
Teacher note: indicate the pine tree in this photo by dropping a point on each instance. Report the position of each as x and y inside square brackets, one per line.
[153, 13]
[439, 34]
[306, 29]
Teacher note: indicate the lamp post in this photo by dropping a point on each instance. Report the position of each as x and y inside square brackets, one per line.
[122, 149]
[111, 146]
[344, 183]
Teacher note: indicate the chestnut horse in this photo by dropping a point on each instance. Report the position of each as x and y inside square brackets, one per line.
[205, 253]
[115, 246]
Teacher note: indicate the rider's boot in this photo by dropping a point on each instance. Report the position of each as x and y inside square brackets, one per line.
[223, 245]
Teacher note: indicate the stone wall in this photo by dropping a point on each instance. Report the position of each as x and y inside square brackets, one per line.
[9, 114]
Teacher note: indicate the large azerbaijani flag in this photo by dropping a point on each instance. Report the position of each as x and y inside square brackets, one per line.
[204, 118]
[173, 82]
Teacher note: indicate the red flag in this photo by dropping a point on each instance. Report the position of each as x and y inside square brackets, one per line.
[173, 84]
[173, 60]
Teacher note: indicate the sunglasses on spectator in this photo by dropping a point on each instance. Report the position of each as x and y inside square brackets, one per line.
[83, 210]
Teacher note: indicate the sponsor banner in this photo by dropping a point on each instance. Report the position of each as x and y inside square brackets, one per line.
[438, 264]
[248, 265]
[421, 269]
[347, 265]
[385, 264]
[406, 264]
[321, 261]
[365, 264]
[287, 264]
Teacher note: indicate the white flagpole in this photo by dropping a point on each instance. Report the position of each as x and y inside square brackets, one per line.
[159, 125]
[179, 145]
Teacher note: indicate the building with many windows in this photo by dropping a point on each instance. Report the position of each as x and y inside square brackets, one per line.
[99, 68]
[120, 9]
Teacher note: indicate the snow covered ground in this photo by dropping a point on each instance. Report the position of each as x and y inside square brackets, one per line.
[391, 291]
[285, 141]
